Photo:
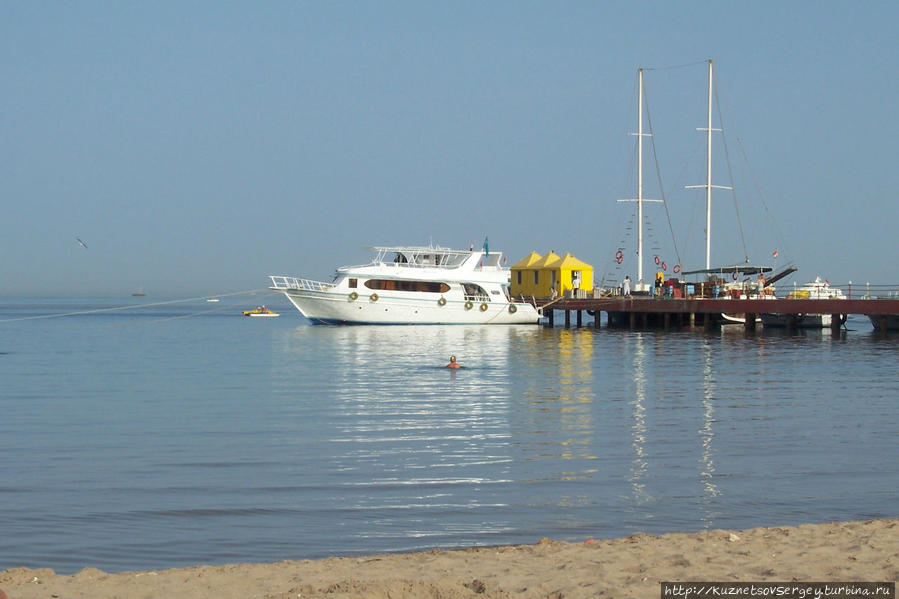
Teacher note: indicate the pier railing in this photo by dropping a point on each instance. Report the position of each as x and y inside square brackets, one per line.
[690, 290]
[869, 291]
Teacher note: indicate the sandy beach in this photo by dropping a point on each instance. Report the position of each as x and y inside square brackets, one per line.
[627, 567]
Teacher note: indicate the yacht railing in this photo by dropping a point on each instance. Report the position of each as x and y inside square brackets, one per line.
[403, 265]
[421, 257]
[282, 282]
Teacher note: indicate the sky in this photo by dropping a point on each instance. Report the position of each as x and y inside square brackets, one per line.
[198, 147]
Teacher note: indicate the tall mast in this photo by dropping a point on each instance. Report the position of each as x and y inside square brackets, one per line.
[640, 179]
[640, 199]
[708, 179]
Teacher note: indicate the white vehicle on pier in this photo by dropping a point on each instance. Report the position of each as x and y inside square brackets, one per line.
[412, 285]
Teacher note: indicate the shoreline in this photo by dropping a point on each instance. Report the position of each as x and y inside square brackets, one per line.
[632, 566]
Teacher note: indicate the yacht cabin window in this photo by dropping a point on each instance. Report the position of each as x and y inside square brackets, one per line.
[475, 292]
[401, 285]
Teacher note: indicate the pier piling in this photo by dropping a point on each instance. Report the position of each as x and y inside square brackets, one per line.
[750, 321]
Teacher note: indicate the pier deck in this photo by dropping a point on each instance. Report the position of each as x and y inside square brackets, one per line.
[702, 310]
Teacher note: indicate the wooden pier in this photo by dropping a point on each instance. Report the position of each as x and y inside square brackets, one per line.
[645, 312]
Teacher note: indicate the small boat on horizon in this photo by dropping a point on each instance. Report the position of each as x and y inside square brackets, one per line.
[260, 312]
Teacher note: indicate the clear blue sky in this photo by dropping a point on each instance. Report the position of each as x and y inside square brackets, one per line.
[197, 147]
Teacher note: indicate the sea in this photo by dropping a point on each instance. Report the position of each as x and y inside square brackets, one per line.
[143, 434]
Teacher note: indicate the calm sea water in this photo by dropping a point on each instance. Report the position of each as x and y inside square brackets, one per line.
[179, 434]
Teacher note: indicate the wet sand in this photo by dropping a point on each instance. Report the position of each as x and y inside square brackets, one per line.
[628, 567]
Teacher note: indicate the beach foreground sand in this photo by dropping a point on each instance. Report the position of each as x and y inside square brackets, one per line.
[628, 567]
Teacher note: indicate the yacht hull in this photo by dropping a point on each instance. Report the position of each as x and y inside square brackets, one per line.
[884, 322]
[816, 289]
[799, 321]
[323, 307]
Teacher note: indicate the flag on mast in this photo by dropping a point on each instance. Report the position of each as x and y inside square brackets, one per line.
[775, 254]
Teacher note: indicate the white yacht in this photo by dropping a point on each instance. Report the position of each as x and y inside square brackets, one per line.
[412, 285]
[817, 289]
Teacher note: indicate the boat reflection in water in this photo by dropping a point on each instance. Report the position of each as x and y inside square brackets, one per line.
[452, 448]
[542, 432]
[297, 441]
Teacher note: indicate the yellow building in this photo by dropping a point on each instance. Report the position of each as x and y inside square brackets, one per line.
[574, 274]
[525, 277]
[539, 276]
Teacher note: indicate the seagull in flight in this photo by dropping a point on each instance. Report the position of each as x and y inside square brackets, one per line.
[84, 245]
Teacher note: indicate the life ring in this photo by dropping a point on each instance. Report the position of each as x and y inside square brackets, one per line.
[619, 255]
[354, 296]
[619, 259]
[658, 260]
[512, 309]
[484, 307]
[468, 305]
[676, 268]
[664, 267]
[734, 276]
[373, 297]
[441, 301]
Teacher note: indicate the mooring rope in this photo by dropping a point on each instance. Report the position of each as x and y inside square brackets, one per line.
[142, 305]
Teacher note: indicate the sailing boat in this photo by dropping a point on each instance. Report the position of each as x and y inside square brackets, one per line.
[724, 278]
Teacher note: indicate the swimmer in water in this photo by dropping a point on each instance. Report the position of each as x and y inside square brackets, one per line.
[453, 363]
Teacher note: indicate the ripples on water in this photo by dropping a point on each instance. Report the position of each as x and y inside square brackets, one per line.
[139, 439]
